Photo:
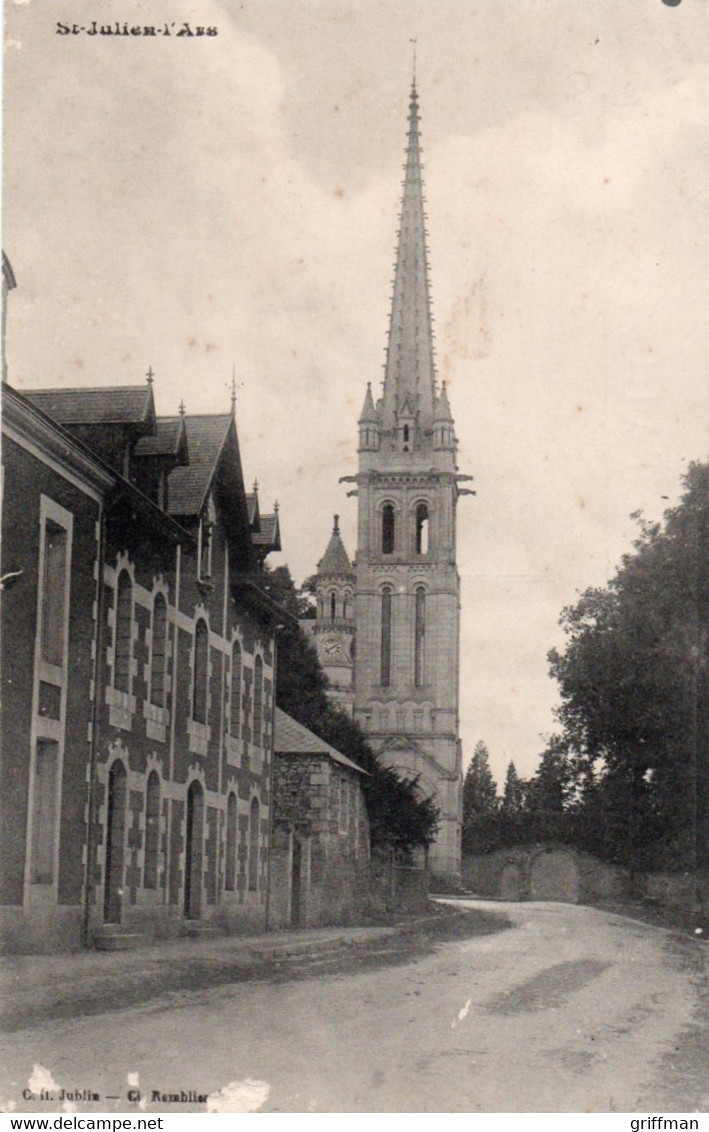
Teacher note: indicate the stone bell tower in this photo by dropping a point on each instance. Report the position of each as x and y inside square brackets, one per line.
[335, 620]
[407, 598]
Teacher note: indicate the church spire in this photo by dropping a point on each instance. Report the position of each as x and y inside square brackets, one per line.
[410, 371]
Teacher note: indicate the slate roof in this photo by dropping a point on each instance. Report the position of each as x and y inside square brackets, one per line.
[292, 738]
[188, 486]
[335, 559]
[268, 533]
[125, 404]
[167, 441]
[252, 504]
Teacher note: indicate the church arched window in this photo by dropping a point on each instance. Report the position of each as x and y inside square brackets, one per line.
[385, 659]
[421, 541]
[333, 607]
[388, 528]
[420, 637]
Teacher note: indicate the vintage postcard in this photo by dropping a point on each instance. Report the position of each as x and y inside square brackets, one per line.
[344, 339]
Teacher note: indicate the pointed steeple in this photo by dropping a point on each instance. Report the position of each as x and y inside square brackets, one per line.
[335, 559]
[369, 413]
[409, 370]
[443, 406]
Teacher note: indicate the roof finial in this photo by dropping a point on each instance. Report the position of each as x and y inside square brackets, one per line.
[276, 507]
[255, 487]
[336, 525]
[233, 389]
[414, 41]
[150, 376]
[182, 407]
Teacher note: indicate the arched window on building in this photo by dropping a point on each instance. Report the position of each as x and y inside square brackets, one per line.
[201, 673]
[346, 605]
[152, 831]
[124, 632]
[422, 529]
[235, 705]
[158, 659]
[333, 606]
[385, 659]
[420, 638]
[254, 843]
[258, 701]
[231, 831]
[388, 528]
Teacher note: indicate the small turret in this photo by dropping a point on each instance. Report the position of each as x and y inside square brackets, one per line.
[443, 430]
[369, 432]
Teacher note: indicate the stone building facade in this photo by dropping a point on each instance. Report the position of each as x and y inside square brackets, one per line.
[138, 672]
[406, 624]
[320, 855]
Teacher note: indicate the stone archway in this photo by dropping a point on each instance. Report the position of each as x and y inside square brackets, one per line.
[511, 883]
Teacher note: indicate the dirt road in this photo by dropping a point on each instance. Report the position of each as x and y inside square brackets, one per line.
[571, 1009]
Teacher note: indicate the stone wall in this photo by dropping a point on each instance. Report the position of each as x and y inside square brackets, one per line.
[554, 872]
[320, 870]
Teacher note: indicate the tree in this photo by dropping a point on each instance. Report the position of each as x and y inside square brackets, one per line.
[633, 683]
[548, 793]
[479, 787]
[399, 817]
[480, 804]
[513, 796]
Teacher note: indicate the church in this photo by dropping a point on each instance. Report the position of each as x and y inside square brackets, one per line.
[387, 628]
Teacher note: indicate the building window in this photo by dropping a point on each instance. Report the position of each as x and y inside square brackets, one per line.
[333, 607]
[388, 525]
[346, 605]
[235, 705]
[420, 638]
[44, 812]
[231, 828]
[54, 593]
[152, 831]
[124, 632]
[254, 841]
[385, 660]
[158, 660]
[201, 674]
[258, 701]
[422, 529]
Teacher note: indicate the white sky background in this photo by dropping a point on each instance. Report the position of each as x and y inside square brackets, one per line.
[196, 203]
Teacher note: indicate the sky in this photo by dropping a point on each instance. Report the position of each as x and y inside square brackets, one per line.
[200, 203]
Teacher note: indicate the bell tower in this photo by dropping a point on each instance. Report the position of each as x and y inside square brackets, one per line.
[407, 596]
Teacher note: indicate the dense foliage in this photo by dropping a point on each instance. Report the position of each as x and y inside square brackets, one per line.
[399, 818]
[633, 682]
[627, 777]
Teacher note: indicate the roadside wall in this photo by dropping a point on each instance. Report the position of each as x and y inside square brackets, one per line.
[556, 872]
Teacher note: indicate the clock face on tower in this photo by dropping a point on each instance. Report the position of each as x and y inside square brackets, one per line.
[332, 648]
